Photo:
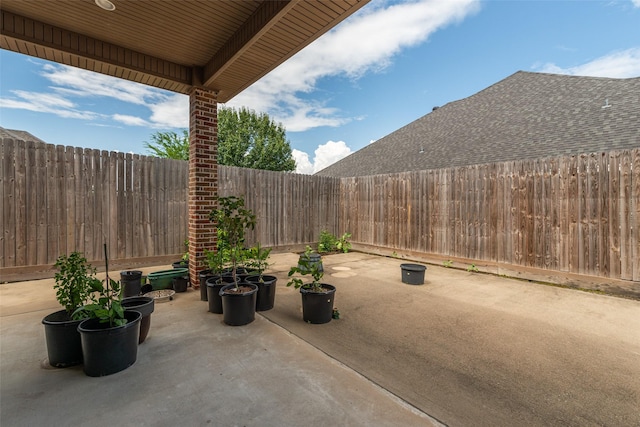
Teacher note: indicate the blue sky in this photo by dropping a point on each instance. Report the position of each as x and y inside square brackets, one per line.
[387, 65]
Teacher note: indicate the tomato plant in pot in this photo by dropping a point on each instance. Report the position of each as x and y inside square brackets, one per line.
[110, 335]
[257, 259]
[73, 285]
[317, 297]
[238, 299]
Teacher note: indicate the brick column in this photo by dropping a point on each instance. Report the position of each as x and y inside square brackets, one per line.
[203, 176]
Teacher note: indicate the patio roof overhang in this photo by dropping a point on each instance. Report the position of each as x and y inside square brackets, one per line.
[223, 46]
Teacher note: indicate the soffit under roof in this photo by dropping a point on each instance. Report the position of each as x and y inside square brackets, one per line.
[175, 45]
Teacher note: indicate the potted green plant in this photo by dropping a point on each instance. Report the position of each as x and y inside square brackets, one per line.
[257, 259]
[74, 281]
[328, 243]
[238, 299]
[111, 334]
[184, 261]
[317, 297]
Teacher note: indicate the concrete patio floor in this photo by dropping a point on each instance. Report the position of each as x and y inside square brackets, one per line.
[462, 349]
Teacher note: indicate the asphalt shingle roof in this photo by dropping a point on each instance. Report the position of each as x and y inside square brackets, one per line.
[527, 115]
[18, 135]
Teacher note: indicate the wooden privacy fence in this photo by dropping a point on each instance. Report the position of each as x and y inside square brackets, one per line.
[577, 214]
[61, 199]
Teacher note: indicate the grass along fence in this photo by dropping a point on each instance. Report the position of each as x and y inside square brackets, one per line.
[576, 214]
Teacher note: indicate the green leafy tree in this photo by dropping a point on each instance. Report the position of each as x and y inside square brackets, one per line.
[245, 139]
[169, 145]
[251, 140]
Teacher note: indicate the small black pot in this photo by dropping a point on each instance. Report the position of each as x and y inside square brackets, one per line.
[412, 274]
[131, 281]
[63, 340]
[265, 299]
[144, 305]
[107, 350]
[180, 284]
[314, 258]
[317, 307]
[239, 309]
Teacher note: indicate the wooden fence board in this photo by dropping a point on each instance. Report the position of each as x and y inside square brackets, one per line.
[31, 223]
[20, 204]
[602, 216]
[8, 204]
[70, 200]
[626, 223]
[635, 211]
[112, 187]
[614, 215]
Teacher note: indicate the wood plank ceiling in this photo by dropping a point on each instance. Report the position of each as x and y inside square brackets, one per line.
[224, 45]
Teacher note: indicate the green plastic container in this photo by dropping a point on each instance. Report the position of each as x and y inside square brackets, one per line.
[164, 279]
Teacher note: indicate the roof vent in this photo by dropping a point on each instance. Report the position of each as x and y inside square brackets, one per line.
[606, 103]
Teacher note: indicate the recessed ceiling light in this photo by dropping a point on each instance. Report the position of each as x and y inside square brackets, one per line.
[106, 5]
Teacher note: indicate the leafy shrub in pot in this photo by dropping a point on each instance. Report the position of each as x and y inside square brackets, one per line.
[74, 282]
[317, 297]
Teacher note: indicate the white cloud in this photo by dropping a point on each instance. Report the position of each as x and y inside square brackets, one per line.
[72, 87]
[77, 82]
[130, 120]
[46, 103]
[621, 64]
[325, 155]
[303, 165]
[172, 111]
[366, 42]
[636, 3]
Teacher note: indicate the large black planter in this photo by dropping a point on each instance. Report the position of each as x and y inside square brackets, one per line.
[239, 309]
[63, 340]
[144, 305]
[107, 350]
[317, 307]
[214, 284]
[266, 296]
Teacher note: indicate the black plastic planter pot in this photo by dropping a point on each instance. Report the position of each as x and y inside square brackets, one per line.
[239, 309]
[317, 307]
[144, 305]
[202, 279]
[180, 264]
[180, 284]
[63, 340]
[131, 281]
[266, 296]
[314, 258]
[413, 274]
[214, 284]
[107, 350]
